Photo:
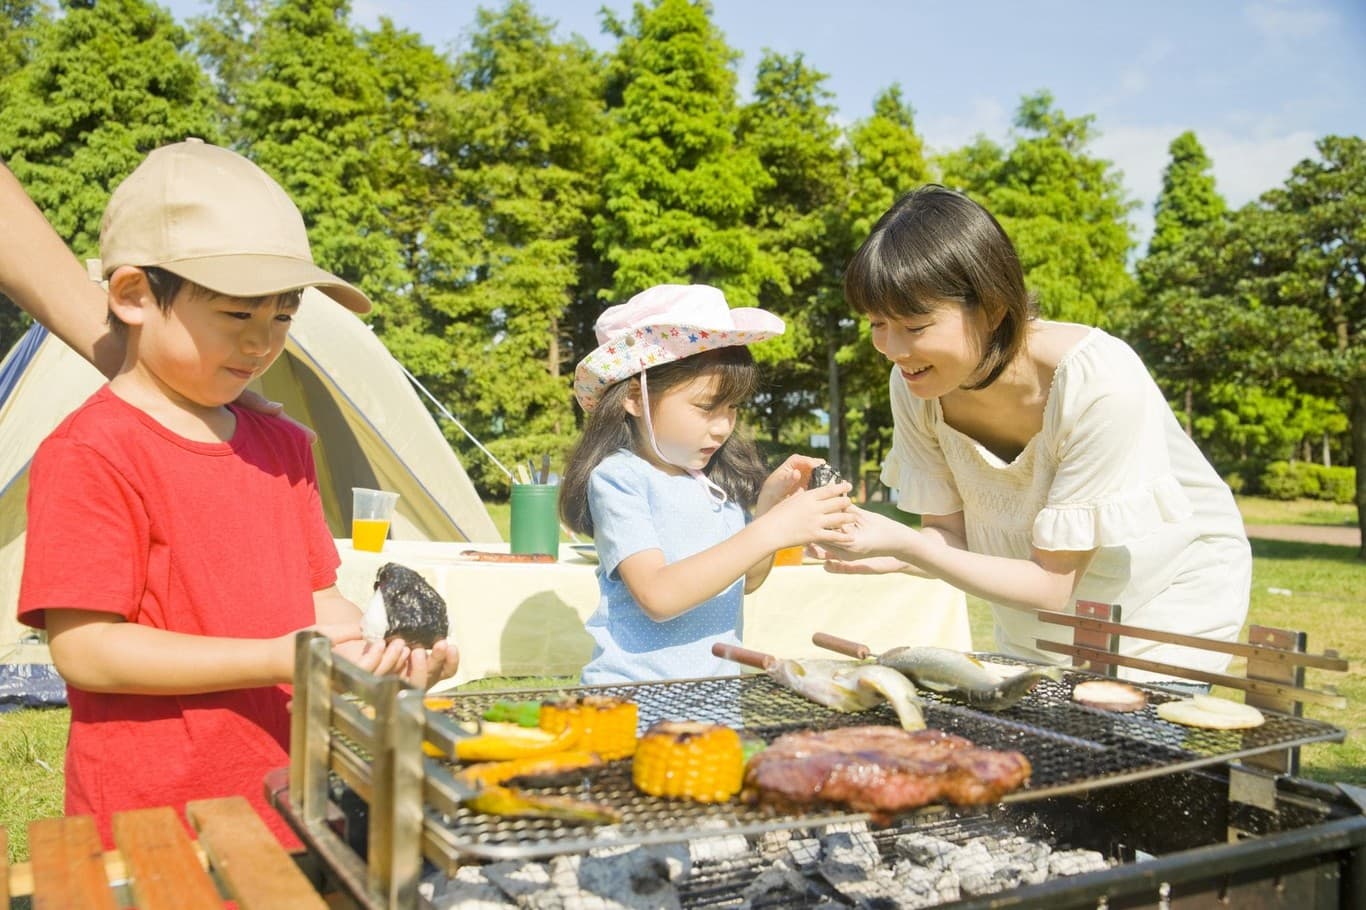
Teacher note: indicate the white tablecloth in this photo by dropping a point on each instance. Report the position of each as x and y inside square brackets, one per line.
[527, 620]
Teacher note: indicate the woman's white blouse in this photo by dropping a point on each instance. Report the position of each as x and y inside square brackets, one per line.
[1112, 471]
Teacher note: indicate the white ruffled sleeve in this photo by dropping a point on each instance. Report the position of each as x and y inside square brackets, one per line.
[1114, 482]
[916, 467]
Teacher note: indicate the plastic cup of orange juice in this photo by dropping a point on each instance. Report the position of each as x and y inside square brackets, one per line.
[371, 512]
[789, 556]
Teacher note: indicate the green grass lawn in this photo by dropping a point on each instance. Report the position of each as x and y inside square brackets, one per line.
[1313, 587]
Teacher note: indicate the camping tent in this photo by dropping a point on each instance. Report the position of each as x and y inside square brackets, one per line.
[335, 376]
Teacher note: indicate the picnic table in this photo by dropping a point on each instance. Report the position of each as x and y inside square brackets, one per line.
[158, 863]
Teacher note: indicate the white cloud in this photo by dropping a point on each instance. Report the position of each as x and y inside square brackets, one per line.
[1283, 22]
[1246, 162]
[985, 117]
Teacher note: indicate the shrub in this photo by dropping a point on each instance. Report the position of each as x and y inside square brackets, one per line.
[1301, 480]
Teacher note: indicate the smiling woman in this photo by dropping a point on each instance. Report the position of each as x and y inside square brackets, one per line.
[1044, 461]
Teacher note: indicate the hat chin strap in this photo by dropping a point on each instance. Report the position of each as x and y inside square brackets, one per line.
[717, 494]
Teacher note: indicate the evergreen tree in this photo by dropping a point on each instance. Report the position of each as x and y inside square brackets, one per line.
[1064, 209]
[801, 224]
[1188, 199]
[889, 161]
[519, 133]
[678, 190]
[102, 88]
[314, 116]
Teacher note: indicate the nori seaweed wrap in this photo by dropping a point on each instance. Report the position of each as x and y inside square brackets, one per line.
[412, 610]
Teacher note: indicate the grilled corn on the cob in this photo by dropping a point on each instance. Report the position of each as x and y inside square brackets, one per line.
[689, 760]
[605, 724]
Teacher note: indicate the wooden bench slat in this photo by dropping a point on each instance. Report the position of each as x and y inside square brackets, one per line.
[163, 867]
[4, 868]
[254, 868]
[68, 865]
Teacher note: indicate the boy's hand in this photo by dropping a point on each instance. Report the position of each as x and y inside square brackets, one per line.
[791, 476]
[425, 668]
[372, 656]
[263, 405]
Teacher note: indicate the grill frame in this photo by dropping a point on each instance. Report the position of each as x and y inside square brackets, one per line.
[367, 734]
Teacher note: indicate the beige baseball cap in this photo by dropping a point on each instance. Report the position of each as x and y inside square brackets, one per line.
[212, 217]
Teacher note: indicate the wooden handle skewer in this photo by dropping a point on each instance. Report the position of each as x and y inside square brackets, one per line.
[743, 655]
[841, 645]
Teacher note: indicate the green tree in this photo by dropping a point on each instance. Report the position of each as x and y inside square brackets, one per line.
[1308, 241]
[519, 136]
[678, 190]
[1065, 209]
[226, 43]
[1182, 291]
[314, 116]
[889, 160]
[802, 225]
[1188, 198]
[102, 88]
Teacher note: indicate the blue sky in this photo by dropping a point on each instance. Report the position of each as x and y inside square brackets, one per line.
[1258, 80]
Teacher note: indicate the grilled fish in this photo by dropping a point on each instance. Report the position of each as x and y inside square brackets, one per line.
[962, 677]
[850, 687]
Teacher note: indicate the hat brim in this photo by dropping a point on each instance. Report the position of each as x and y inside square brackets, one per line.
[656, 345]
[257, 275]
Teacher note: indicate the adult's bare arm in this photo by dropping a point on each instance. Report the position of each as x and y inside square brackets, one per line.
[39, 273]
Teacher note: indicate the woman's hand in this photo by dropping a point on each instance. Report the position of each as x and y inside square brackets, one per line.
[872, 565]
[790, 477]
[869, 534]
[253, 401]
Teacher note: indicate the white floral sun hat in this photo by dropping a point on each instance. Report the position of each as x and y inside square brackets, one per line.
[660, 325]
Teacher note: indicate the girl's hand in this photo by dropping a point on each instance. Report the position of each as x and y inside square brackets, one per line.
[792, 476]
[810, 516]
[262, 405]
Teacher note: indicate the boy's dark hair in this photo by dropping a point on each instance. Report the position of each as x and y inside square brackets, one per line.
[935, 245]
[166, 285]
[736, 467]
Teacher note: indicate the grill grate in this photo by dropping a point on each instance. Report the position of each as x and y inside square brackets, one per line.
[1071, 748]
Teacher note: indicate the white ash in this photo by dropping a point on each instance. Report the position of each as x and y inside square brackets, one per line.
[777, 880]
[925, 849]
[719, 849]
[468, 889]
[772, 845]
[856, 849]
[804, 851]
[1075, 862]
[926, 886]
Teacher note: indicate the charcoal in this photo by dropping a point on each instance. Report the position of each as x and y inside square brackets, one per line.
[804, 851]
[822, 475]
[642, 879]
[925, 850]
[1075, 862]
[415, 612]
[468, 889]
[518, 880]
[776, 886]
[1026, 859]
[772, 845]
[718, 849]
[857, 850]
[978, 870]
[925, 887]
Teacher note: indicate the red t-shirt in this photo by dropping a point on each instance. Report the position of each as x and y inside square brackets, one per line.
[221, 539]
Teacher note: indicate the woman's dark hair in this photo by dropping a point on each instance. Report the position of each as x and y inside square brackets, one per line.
[933, 246]
[736, 467]
[166, 285]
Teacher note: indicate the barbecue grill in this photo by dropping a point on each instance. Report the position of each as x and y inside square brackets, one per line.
[1177, 820]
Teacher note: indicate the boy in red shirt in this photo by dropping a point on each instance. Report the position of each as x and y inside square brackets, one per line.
[176, 542]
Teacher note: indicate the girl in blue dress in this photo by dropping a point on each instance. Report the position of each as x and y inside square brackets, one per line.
[664, 484]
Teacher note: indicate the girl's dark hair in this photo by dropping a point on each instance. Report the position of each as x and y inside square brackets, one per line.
[935, 245]
[165, 285]
[736, 467]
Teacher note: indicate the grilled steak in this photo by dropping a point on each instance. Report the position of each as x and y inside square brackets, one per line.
[879, 770]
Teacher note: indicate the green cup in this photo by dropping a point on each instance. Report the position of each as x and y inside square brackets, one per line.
[535, 518]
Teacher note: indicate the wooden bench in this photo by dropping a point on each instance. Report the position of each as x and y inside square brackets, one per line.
[158, 863]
